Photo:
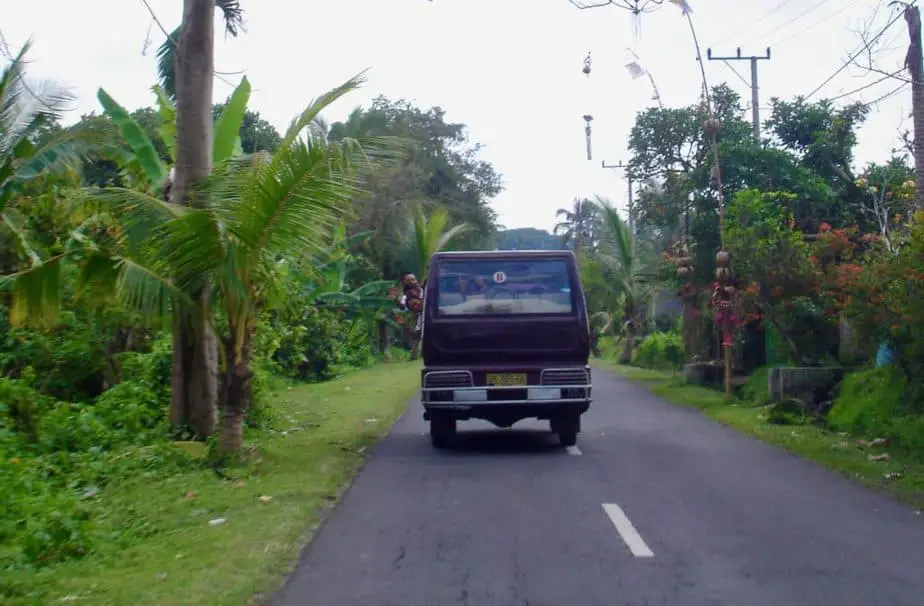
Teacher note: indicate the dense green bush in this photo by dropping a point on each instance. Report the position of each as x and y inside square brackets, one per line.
[873, 403]
[56, 455]
[69, 360]
[314, 346]
[660, 351]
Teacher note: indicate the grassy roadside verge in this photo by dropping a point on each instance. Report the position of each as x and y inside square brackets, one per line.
[898, 476]
[269, 506]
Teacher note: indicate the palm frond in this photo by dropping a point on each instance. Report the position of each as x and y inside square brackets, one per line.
[146, 292]
[25, 109]
[430, 235]
[315, 107]
[233, 14]
[166, 64]
[35, 292]
[294, 201]
[617, 236]
[194, 247]
[142, 219]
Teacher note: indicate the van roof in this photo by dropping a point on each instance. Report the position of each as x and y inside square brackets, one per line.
[503, 254]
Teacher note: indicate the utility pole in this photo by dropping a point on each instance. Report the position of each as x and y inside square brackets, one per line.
[631, 212]
[914, 63]
[755, 96]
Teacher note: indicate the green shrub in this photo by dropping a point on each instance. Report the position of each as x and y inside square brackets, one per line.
[660, 351]
[756, 390]
[68, 361]
[872, 403]
[310, 349]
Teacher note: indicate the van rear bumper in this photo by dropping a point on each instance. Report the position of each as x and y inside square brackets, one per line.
[507, 412]
[555, 393]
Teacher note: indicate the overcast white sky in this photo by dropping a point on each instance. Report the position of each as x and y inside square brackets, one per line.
[509, 69]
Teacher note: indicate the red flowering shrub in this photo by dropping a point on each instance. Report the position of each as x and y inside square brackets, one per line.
[885, 302]
[782, 273]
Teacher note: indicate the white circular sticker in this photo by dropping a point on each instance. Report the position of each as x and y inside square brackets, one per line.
[500, 277]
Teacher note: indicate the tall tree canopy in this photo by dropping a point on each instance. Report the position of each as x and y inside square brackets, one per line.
[441, 167]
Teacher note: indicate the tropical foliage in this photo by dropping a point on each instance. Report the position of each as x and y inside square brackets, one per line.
[824, 258]
[286, 255]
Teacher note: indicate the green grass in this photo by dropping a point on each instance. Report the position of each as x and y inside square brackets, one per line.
[183, 560]
[834, 450]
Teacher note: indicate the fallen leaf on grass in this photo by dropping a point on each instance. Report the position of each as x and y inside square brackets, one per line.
[892, 475]
[190, 496]
[217, 522]
[265, 499]
[879, 457]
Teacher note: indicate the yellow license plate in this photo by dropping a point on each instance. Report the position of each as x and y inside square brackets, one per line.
[505, 380]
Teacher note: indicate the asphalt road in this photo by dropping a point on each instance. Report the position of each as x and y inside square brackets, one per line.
[658, 505]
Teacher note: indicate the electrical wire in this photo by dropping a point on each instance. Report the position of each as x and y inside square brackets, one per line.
[736, 72]
[802, 31]
[760, 19]
[887, 95]
[865, 46]
[798, 17]
[867, 86]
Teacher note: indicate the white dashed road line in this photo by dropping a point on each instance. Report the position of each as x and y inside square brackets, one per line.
[573, 451]
[627, 531]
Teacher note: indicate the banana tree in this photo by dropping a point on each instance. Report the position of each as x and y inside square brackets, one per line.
[326, 281]
[141, 160]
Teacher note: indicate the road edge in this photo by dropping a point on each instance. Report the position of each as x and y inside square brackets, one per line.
[897, 477]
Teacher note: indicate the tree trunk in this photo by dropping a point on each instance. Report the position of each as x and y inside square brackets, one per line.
[626, 356]
[914, 62]
[235, 397]
[383, 337]
[195, 356]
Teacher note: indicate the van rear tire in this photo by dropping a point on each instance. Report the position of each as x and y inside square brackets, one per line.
[442, 430]
[567, 429]
[567, 438]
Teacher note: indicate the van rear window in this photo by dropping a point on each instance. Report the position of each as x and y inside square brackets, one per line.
[504, 286]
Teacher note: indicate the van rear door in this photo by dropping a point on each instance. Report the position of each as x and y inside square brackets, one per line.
[483, 310]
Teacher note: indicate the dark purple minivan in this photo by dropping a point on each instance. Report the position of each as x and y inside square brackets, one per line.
[505, 338]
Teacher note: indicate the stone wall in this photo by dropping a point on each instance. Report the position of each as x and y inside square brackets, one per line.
[811, 385]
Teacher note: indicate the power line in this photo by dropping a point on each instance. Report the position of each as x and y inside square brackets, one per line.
[867, 86]
[866, 46]
[797, 17]
[798, 33]
[737, 73]
[760, 19]
[887, 95]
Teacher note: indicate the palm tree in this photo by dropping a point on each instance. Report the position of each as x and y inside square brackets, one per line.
[167, 53]
[187, 65]
[194, 395]
[222, 254]
[578, 224]
[623, 270]
[430, 235]
[31, 148]
[427, 236]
